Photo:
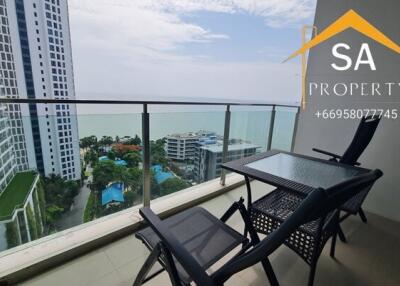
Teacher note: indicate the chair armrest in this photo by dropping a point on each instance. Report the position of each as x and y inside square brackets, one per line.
[334, 156]
[327, 153]
[187, 261]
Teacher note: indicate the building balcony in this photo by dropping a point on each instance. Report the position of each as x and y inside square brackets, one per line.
[91, 244]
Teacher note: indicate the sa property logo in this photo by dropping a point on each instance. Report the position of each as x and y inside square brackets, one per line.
[349, 20]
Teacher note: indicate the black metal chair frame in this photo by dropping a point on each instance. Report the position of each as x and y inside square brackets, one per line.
[365, 131]
[318, 204]
[161, 254]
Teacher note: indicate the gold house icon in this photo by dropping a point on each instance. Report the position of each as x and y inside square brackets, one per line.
[349, 20]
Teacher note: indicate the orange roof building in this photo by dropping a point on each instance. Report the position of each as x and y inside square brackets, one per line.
[125, 148]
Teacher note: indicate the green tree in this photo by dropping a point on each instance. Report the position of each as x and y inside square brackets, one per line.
[158, 154]
[106, 141]
[92, 157]
[60, 192]
[111, 155]
[104, 173]
[133, 141]
[131, 177]
[87, 142]
[132, 159]
[53, 213]
[129, 198]
[136, 179]
[172, 185]
[72, 188]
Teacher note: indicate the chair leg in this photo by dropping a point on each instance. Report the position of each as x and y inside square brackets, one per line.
[333, 245]
[312, 273]
[232, 209]
[148, 264]
[171, 268]
[342, 237]
[270, 272]
[362, 215]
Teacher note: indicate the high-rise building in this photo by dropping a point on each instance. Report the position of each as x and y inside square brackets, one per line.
[12, 86]
[183, 146]
[21, 217]
[209, 158]
[7, 159]
[37, 48]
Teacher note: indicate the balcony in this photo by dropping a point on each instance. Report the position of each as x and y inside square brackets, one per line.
[118, 262]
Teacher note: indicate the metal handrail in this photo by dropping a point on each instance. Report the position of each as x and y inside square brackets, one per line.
[146, 124]
[137, 102]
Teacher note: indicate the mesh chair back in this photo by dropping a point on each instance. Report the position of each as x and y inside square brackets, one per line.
[361, 139]
[339, 194]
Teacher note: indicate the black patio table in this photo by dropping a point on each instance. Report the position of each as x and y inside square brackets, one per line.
[291, 171]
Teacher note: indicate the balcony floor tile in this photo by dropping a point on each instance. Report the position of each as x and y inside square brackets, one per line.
[370, 258]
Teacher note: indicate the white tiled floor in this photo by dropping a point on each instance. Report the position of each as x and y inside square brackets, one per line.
[372, 257]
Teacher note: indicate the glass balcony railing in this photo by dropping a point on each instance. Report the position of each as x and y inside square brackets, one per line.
[178, 135]
[67, 163]
[284, 127]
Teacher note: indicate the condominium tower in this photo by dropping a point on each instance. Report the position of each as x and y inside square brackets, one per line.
[209, 158]
[183, 146]
[37, 64]
[7, 159]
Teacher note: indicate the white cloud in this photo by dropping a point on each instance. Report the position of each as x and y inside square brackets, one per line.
[157, 25]
[131, 47]
[275, 12]
[127, 24]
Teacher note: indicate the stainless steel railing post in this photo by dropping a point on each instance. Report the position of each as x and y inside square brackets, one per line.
[146, 156]
[271, 128]
[296, 121]
[225, 142]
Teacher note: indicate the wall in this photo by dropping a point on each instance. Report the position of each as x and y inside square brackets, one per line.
[335, 135]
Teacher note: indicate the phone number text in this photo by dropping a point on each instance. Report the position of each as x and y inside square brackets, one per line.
[356, 113]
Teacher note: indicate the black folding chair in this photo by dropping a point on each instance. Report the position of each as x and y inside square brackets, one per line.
[188, 243]
[363, 136]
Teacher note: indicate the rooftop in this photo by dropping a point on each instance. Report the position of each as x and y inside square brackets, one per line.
[16, 193]
[183, 135]
[124, 147]
[217, 148]
[160, 175]
[113, 193]
[191, 135]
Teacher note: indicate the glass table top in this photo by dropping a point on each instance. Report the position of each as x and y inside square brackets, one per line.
[305, 171]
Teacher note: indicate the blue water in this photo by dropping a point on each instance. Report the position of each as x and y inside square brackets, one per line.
[246, 125]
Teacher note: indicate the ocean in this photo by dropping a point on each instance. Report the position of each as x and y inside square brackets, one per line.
[252, 126]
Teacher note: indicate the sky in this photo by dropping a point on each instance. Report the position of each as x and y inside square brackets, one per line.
[188, 49]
